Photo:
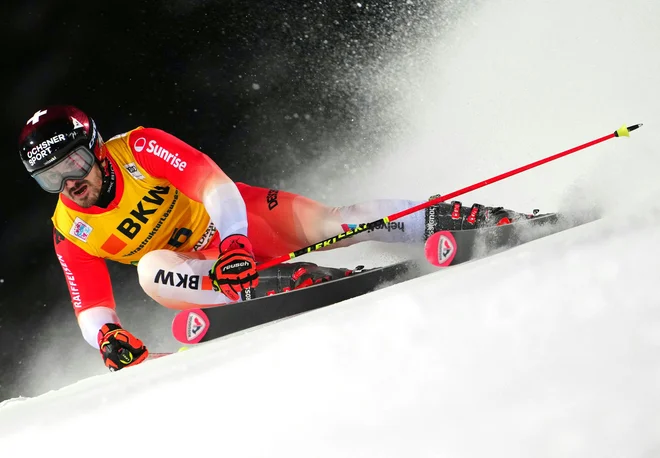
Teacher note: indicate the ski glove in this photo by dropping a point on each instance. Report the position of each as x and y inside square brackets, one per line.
[235, 270]
[119, 348]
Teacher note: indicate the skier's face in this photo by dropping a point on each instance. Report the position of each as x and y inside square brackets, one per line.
[85, 192]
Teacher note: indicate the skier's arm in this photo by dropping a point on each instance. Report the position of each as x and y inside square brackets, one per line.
[194, 174]
[88, 280]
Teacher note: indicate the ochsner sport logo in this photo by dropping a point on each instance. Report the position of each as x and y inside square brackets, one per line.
[42, 150]
[154, 148]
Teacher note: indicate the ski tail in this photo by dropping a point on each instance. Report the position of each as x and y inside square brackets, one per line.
[449, 248]
[190, 326]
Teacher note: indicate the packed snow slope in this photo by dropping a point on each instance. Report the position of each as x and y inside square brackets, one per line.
[547, 350]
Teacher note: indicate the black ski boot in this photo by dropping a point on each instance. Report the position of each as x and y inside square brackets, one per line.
[296, 275]
[454, 217]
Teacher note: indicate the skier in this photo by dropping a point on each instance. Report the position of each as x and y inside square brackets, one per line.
[147, 198]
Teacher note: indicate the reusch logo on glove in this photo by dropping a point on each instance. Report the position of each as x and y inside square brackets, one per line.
[235, 265]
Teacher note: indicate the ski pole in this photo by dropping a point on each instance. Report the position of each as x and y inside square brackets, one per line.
[621, 132]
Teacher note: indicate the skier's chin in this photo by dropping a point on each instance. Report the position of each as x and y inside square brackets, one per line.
[85, 196]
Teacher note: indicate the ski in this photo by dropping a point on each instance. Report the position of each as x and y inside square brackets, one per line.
[450, 248]
[201, 325]
[442, 249]
[156, 355]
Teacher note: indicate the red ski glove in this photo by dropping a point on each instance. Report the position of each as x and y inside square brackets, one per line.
[235, 271]
[119, 348]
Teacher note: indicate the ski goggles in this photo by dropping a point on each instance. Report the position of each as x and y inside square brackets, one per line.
[76, 165]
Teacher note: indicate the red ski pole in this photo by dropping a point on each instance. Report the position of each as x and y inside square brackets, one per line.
[621, 132]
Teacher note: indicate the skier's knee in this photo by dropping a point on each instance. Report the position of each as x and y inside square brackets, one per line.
[151, 264]
[147, 268]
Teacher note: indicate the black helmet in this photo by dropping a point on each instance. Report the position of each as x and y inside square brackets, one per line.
[59, 143]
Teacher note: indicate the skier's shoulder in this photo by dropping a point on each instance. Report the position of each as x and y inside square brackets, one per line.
[124, 137]
[123, 147]
[140, 138]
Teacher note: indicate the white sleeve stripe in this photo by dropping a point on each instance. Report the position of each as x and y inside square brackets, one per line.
[237, 228]
[226, 208]
[93, 319]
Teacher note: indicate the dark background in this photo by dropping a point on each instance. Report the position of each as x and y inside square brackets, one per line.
[263, 87]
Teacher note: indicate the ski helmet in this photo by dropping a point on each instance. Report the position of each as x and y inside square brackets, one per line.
[60, 143]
